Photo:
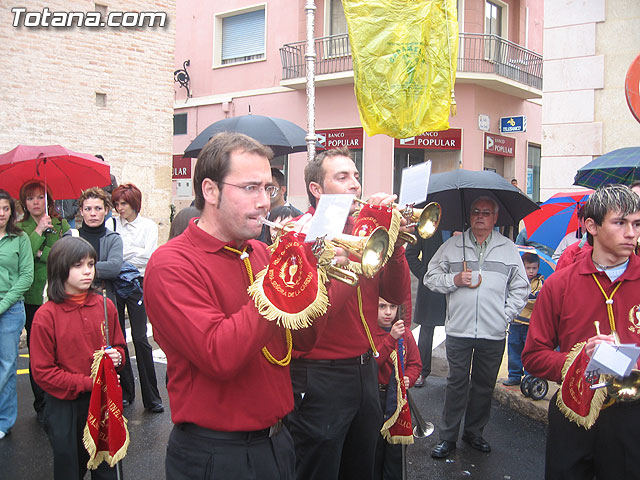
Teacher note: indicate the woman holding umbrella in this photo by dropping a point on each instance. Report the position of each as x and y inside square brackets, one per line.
[16, 276]
[44, 227]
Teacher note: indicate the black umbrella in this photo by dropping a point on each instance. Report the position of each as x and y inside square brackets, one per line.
[282, 136]
[455, 191]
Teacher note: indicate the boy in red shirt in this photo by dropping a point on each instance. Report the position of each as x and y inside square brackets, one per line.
[391, 328]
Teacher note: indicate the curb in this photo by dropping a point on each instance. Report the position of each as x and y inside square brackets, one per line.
[513, 398]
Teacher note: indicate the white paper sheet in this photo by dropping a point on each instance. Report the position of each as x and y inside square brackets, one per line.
[330, 217]
[415, 182]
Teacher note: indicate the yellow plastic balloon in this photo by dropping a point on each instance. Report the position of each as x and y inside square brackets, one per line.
[404, 63]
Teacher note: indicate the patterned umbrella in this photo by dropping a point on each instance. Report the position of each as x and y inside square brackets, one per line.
[556, 218]
[619, 166]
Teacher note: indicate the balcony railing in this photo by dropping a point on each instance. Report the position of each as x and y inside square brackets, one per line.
[477, 53]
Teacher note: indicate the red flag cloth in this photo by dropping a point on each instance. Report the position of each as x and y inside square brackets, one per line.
[397, 427]
[105, 437]
[291, 289]
[373, 216]
[576, 400]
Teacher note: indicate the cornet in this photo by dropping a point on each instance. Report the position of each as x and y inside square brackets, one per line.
[426, 220]
[369, 251]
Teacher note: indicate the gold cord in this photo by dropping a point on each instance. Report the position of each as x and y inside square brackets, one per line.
[267, 354]
[366, 327]
[609, 302]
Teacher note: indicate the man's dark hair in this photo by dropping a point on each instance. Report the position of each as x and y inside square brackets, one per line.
[278, 177]
[314, 171]
[214, 159]
[63, 255]
[610, 198]
[530, 258]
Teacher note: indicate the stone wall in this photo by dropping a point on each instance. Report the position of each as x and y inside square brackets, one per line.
[95, 90]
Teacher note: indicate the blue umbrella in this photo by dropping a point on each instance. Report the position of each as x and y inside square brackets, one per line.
[619, 166]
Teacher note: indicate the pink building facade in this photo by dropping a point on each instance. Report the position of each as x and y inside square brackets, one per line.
[247, 56]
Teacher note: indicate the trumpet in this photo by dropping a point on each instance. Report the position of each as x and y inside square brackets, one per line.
[426, 220]
[369, 251]
[422, 429]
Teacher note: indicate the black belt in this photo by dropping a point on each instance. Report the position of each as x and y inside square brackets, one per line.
[359, 360]
[216, 435]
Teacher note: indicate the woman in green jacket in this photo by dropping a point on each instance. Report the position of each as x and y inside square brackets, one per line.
[44, 227]
[16, 275]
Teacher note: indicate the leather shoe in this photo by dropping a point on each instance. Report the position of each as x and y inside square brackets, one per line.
[443, 449]
[125, 403]
[478, 443]
[156, 408]
[511, 382]
[419, 382]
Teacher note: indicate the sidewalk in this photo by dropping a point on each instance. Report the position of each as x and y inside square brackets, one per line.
[511, 397]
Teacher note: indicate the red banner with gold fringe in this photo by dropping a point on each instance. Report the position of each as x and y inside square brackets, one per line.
[291, 289]
[105, 437]
[576, 400]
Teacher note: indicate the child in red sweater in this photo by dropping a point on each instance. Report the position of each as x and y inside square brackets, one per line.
[66, 331]
[391, 328]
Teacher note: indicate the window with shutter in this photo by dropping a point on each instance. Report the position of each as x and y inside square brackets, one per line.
[243, 37]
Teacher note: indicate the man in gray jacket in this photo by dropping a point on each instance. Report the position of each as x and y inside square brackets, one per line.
[477, 320]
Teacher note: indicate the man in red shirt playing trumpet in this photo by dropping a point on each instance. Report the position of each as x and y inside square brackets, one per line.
[228, 367]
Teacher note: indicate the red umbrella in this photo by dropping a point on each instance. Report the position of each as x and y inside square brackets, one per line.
[65, 173]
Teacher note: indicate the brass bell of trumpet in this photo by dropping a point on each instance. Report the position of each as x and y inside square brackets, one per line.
[370, 251]
[426, 220]
[624, 389]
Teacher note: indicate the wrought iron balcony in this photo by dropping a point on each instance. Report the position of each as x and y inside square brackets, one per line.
[477, 53]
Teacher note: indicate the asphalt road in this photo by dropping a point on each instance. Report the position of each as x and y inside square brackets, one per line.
[517, 441]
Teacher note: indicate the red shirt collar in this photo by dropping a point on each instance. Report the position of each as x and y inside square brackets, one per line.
[632, 272]
[209, 243]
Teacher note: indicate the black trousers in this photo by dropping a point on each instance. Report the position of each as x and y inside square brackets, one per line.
[195, 456]
[38, 393]
[473, 370]
[607, 451]
[388, 464]
[144, 354]
[336, 419]
[425, 347]
[64, 424]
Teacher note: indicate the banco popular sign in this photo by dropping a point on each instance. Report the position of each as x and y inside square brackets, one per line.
[499, 145]
[351, 138]
[450, 139]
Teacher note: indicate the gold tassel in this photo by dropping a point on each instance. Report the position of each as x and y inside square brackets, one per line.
[454, 105]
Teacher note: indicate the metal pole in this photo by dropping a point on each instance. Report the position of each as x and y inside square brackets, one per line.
[310, 61]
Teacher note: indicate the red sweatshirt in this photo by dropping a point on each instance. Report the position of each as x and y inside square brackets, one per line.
[63, 339]
[345, 336]
[568, 304]
[195, 293]
[385, 344]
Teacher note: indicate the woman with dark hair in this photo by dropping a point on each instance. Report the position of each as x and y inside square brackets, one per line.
[94, 204]
[44, 227]
[281, 215]
[67, 330]
[16, 276]
[140, 239]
